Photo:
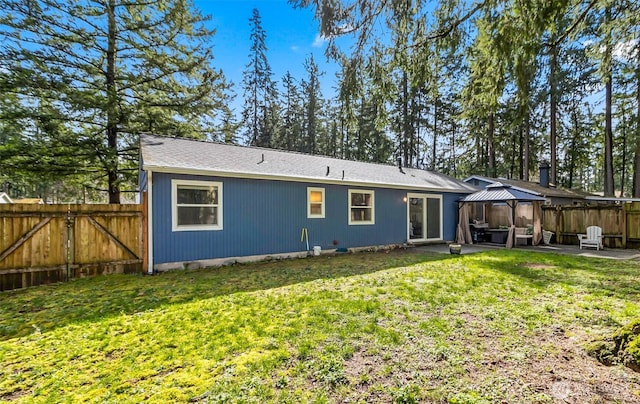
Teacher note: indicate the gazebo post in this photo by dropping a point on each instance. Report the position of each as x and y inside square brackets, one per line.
[512, 226]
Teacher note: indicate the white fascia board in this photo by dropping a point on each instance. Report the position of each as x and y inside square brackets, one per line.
[478, 177]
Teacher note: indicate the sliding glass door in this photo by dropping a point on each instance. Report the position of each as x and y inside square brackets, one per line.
[424, 217]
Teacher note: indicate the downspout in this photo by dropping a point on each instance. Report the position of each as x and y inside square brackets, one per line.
[150, 221]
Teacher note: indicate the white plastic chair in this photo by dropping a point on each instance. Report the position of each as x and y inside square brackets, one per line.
[593, 238]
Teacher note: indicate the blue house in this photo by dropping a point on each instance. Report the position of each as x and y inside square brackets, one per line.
[211, 203]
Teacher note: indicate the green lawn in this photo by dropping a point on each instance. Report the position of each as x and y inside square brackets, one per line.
[499, 326]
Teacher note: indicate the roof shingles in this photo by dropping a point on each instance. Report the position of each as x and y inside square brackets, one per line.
[532, 187]
[208, 158]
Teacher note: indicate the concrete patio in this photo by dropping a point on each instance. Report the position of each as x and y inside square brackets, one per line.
[610, 253]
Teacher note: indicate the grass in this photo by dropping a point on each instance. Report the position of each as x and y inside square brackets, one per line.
[373, 327]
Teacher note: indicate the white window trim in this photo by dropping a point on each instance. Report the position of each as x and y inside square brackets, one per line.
[322, 202]
[430, 196]
[174, 205]
[373, 206]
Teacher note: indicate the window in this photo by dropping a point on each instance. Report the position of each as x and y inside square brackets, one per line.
[361, 207]
[196, 205]
[315, 203]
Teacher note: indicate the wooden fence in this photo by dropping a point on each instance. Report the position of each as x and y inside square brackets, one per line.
[51, 243]
[620, 223]
[499, 215]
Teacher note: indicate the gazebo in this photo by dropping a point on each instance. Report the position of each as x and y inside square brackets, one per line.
[500, 193]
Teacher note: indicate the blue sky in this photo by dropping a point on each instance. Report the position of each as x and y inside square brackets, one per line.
[292, 36]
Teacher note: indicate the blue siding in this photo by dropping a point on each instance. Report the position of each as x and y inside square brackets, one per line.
[266, 217]
[479, 183]
[142, 181]
[450, 215]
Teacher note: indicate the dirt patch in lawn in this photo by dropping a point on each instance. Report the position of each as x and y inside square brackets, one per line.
[570, 375]
[555, 369]
[533, 265]
[560, 369]
[14, 395]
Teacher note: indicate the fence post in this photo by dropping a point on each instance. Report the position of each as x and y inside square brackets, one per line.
[558, 224]
[623, 225]
[67, 250]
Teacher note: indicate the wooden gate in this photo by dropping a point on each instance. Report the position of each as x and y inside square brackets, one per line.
[51, 243]
[633, 224]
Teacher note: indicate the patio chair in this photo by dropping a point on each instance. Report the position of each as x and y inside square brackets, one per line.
[593, 238]
[523, 235]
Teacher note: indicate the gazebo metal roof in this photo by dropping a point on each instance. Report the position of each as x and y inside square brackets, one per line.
[500, 192]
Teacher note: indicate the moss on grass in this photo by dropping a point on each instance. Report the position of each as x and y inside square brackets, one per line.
[371, 327]
[621, 347]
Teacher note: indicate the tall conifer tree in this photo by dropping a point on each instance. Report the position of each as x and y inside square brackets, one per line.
[260, 94]
[92, 75]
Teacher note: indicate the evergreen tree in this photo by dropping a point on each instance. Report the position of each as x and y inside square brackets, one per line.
[349, 90]
[511, 45]
[260, 94]
[485, 86]
[636, 158]
[91, 76]
[228, 125]
[290, 132]
[312, 98]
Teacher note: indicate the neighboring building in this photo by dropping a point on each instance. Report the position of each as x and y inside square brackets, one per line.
[4, 198]
[210, 203]
[553, 195]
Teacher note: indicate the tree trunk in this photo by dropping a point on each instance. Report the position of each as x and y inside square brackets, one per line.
[553, 101]
[636, 157]
[453, 149]
[343, 139]
[434, 145]
[514, 148]
[112, 112]
[608, 142]
[479, 153]
[436, 100]
[405, 120]
[608, 133]
[413, 131]
[636, 167]
[521, 151]
[491, 151]
[527, 146]
[572, 149]
[623, 163]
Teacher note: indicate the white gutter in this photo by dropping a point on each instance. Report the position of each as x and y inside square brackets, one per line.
[150, 221]
[611, 199]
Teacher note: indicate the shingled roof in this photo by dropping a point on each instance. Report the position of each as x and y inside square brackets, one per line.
[536, 188]
[172, 155]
